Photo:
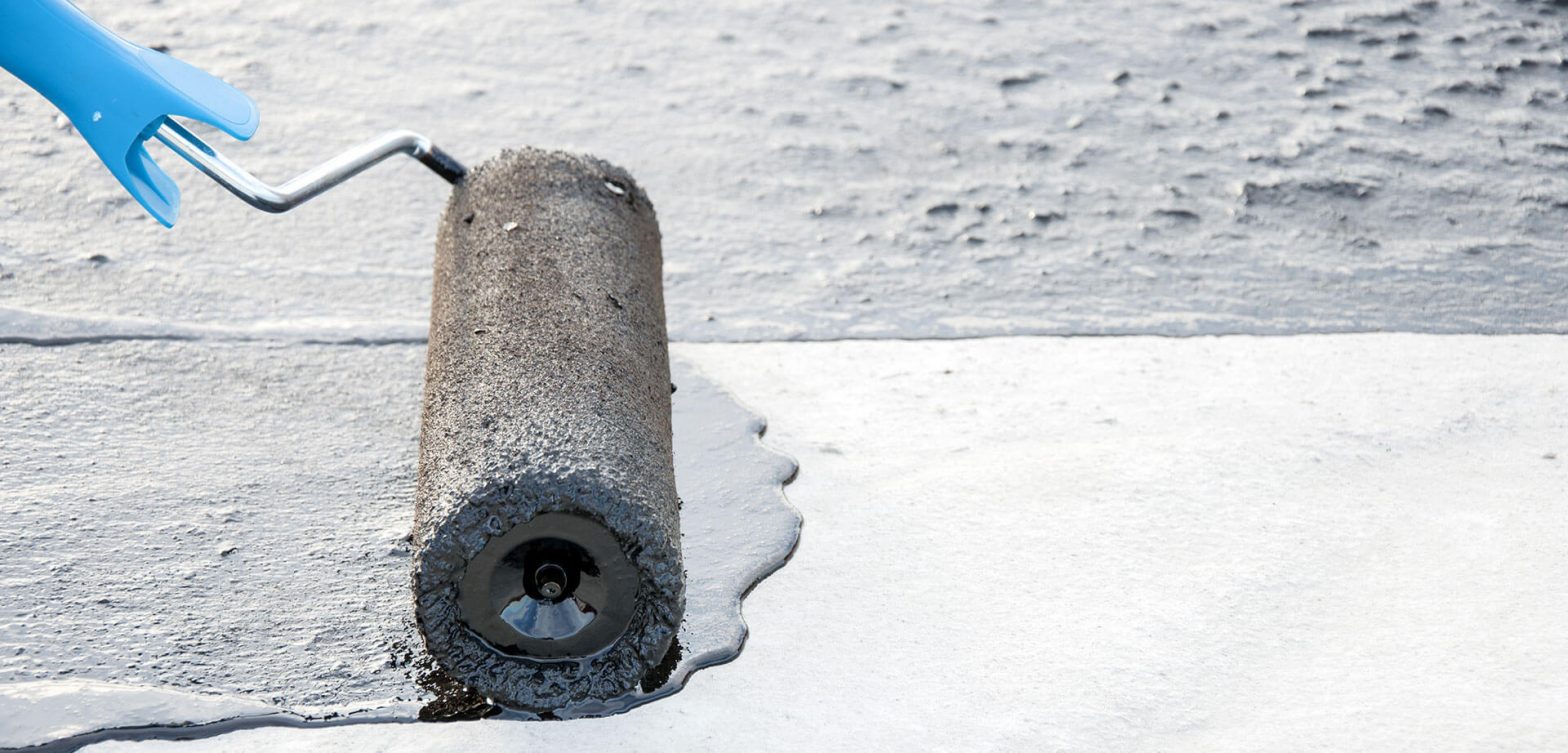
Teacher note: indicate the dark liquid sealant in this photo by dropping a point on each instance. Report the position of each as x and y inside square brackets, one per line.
[737, 528]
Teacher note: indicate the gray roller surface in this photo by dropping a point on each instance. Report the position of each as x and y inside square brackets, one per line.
[547, 419]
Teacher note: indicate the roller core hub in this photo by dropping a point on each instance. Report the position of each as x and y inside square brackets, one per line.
[556, 587]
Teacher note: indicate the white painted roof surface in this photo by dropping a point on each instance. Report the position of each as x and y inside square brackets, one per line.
[1343, 542]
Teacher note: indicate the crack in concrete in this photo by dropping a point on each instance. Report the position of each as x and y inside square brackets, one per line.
[57, 342]
[69, 340]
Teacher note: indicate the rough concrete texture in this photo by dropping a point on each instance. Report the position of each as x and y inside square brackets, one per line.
[229, 522]
[169, 512]
[1303, 544]
[918, 169]
[547, 389]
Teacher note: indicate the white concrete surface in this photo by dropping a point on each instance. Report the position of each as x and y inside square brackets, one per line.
[45, 711]
[929, 168]
[228, 522]
[1309, 543]
[1143, 544]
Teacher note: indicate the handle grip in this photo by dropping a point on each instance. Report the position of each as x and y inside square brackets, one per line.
[116, 93]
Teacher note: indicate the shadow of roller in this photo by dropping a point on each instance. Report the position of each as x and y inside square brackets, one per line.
[547, 567]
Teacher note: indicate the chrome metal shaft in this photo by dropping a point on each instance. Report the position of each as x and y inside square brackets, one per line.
[313, 182]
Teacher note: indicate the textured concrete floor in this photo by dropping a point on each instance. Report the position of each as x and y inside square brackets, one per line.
[1297, 543]
[934, 168]
[233, 519]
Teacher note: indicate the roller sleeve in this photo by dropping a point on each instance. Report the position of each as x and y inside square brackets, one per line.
[547, 568]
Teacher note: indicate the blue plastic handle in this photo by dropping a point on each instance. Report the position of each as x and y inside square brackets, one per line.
[116, 93]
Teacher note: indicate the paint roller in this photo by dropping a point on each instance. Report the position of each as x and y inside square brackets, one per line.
[547, 569]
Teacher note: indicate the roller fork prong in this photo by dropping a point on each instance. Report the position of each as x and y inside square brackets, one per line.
[312, 182]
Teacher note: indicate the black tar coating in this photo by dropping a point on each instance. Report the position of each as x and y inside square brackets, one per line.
[547, 389]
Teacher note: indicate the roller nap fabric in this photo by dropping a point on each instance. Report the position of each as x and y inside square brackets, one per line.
[547, 569]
